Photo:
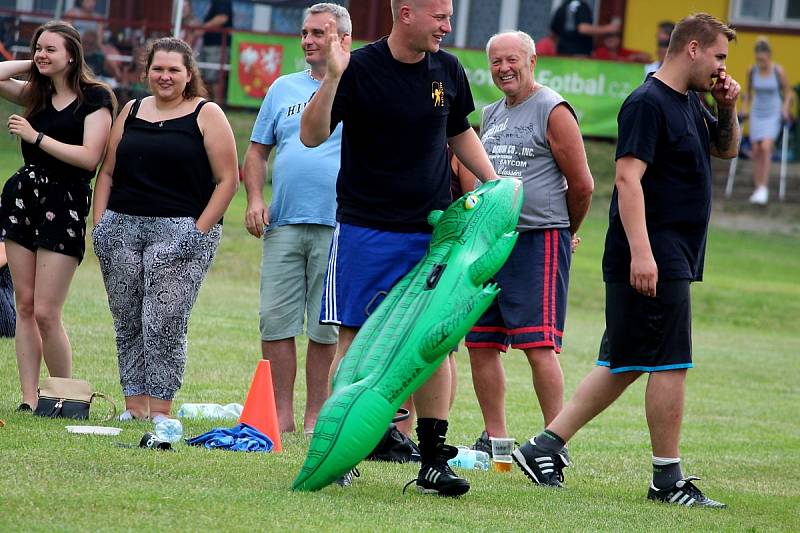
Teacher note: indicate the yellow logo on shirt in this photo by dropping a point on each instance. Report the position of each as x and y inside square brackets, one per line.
[437, 93]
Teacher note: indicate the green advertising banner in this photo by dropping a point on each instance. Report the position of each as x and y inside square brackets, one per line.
[595, 89]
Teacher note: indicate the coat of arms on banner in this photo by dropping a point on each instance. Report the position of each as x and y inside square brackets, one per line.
[259, 66]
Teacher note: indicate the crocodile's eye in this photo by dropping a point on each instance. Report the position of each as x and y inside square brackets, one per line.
[471, 201]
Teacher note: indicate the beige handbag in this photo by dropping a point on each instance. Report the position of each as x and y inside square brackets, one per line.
[68, 398]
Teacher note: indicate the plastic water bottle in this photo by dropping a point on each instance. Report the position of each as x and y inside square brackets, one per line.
[210, 410]
[169, 430]
[470, 459]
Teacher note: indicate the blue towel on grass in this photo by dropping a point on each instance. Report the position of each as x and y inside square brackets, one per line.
[241, 438]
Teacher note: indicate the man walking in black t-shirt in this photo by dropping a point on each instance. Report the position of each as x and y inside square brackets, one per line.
[654, 249]
[401, 100]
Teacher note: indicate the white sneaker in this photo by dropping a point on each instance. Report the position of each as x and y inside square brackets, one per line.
[127, 416]
[760, 196]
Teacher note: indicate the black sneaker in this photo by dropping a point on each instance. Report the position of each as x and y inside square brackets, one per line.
[541, 466]
[483, 444]
[24, 408]
[438, 478]
[347, 479]
[683, 492]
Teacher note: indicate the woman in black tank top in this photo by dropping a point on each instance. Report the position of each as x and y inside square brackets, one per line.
[45, 203]
[169, 174]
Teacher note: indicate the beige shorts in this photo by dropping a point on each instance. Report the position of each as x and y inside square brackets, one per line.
[292, 274]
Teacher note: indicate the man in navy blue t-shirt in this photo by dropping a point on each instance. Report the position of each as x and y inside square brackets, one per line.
[655, 246]
[401, 101]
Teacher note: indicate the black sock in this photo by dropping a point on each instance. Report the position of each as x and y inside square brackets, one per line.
[665, 474]
[549, 441]
[431, 433]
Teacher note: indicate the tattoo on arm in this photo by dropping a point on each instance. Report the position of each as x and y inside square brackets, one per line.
[725, 129]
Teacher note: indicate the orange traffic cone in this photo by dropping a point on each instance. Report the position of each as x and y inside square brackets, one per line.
[259, 408]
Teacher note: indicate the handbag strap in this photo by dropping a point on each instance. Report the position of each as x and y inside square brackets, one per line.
[109, 400]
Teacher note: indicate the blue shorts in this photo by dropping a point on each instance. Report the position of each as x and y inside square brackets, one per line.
[363, 266]
[530, 310]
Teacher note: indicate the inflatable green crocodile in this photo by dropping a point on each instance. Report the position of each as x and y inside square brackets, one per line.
[404, 341]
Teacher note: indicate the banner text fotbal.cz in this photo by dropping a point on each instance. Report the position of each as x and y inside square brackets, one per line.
[595, 89]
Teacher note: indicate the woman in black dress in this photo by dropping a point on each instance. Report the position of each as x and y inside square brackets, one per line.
[43, 207]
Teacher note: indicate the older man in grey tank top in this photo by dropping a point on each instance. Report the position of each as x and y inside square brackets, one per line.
[531, 134]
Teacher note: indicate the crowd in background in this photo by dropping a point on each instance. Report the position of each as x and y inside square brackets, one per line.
[115, 57]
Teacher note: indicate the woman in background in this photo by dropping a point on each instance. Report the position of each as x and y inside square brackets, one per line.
[769, 100]
[44, 205]
[169, 174]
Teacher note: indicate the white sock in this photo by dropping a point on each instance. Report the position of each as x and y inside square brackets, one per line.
[661, 461]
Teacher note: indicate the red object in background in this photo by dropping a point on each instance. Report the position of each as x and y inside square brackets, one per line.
[259, 66]
[623, 54]
[546, 46]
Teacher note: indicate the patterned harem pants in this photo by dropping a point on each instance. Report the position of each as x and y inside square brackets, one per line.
[152, 269]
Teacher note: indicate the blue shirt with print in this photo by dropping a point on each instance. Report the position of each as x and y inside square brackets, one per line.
[303, 179]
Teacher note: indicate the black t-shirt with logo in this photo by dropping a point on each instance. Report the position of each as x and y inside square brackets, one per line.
[671, 132]
[66, 126]
[396, 120]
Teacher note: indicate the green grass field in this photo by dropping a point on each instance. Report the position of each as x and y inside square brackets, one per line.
[740, 433]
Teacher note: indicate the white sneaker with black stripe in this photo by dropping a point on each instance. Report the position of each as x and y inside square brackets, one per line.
[438, 478]
[683, 492]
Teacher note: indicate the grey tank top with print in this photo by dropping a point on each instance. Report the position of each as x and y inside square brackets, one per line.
[516, 141]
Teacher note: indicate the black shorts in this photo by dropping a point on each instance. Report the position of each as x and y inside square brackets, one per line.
[645, 334]
[39, 211]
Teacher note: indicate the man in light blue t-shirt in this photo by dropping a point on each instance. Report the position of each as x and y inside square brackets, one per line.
[297, 226]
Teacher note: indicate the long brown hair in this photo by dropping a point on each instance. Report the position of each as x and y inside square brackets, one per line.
[195, 86]
[79, 76]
